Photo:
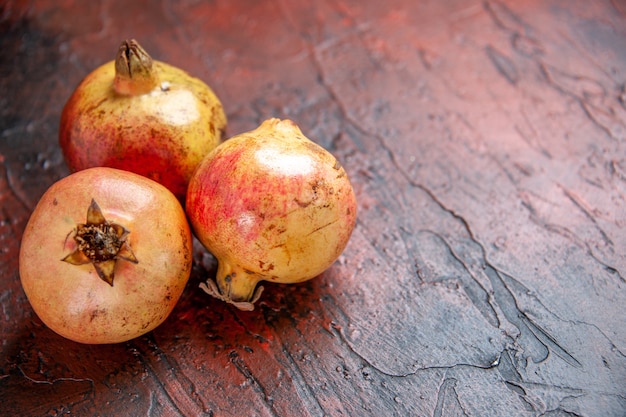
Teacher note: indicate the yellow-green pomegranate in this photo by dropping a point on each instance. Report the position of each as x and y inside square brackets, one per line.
[271, 205]
[143, 116]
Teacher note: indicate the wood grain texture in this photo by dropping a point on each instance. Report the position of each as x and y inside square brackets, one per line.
[486, 142]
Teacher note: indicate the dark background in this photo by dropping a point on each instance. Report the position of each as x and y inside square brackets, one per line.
[486, 142]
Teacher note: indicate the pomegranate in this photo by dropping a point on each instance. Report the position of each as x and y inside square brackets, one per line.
[105, 255]
[271, 205]
[143, 116]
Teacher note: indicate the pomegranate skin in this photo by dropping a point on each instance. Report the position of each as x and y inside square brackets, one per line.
[270, 205]
[154, 120]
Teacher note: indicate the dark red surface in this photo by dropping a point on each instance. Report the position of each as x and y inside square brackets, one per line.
[486, 142]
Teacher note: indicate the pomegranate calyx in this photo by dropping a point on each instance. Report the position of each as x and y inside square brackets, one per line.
[100, 243]
[211, 288]
[134, 72]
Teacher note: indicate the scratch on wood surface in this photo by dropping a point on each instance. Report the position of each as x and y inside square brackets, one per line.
[550, 342]
[432, 249]
[503, 64]
[305, 392]
[11, 187]
[176, 386]
[591, 96]
[447, 399]
[590, 213]
[504, 18]
[243, 369]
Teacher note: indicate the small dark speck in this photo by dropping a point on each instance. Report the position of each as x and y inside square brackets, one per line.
[622, 96]
[96, 313]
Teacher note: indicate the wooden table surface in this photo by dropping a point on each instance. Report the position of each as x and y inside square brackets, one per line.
[486, 142]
